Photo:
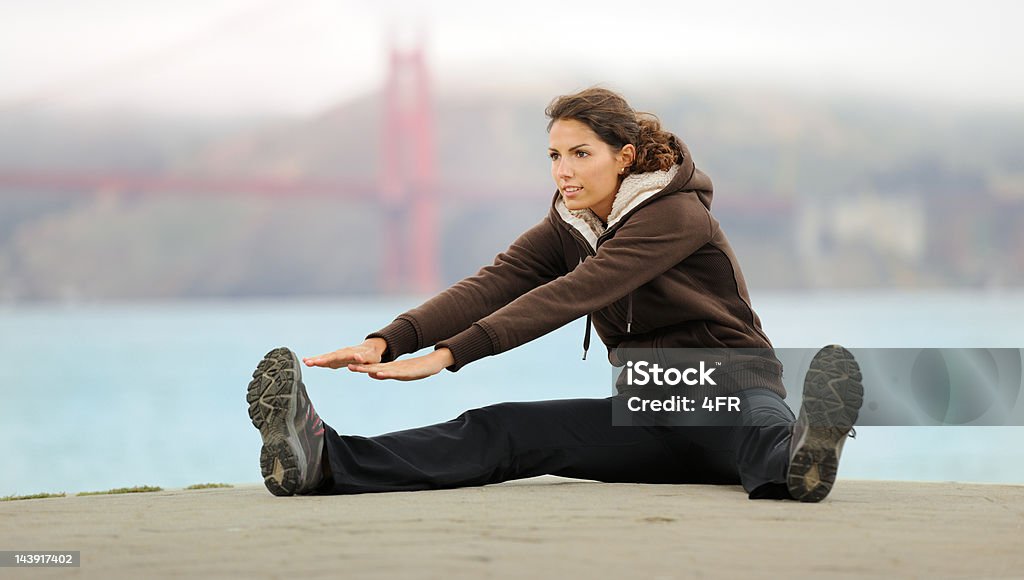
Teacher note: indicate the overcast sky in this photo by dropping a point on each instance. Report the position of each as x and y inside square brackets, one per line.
[219, 57]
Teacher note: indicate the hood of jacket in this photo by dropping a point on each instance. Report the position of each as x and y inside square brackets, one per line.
[634, 191]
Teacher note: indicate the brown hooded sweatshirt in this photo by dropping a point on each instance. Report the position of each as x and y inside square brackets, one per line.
[661, 274]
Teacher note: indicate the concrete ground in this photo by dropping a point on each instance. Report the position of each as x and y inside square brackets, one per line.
[541, 527]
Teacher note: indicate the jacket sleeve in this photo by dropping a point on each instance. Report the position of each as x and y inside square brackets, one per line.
[533, 259]
[653, 240]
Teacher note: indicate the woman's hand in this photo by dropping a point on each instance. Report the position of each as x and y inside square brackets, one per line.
[411, 369]
[368, 352]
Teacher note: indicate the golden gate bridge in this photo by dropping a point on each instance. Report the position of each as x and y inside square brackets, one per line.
[406, 185]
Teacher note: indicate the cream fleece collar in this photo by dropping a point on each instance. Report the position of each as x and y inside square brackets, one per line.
[634, 190]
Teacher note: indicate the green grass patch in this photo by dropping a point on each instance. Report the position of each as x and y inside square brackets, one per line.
[208, 485]
[31, 496]
[137, 489]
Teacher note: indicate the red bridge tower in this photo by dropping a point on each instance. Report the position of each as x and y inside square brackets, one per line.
[408, 177]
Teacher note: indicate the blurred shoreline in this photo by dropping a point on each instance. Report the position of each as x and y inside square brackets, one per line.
[813, 193]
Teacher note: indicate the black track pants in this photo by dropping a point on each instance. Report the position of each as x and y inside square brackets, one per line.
[570, 438]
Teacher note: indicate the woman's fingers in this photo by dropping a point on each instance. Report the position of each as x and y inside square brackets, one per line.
[406, 370]
[323, 360]
[331, 360]
[376, 371]
[339, 358]
[366, 368]
[389, 370]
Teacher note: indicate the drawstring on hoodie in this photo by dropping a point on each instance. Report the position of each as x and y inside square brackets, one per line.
[586, 334]
[629, 324]
[586, 338]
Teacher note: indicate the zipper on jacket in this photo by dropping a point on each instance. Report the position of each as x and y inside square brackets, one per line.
[629, 313]
[592, 251]
[629, 299]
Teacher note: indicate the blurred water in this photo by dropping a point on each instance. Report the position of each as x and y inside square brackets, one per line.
[108, 396]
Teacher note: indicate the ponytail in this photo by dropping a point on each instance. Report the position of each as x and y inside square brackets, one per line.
[656, 149]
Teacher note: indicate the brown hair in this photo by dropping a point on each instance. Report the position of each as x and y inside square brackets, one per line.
[616, 123]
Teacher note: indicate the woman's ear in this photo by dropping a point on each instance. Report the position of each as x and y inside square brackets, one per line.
[627, 155]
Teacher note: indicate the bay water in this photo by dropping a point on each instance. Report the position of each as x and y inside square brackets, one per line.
[114, 395]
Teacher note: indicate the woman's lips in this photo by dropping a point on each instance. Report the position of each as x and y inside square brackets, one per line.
[571, 191]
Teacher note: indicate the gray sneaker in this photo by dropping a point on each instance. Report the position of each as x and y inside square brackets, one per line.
[832, 398]
[293, 434]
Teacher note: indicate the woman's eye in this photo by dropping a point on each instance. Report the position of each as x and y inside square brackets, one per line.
[553, 156]
[582, 154]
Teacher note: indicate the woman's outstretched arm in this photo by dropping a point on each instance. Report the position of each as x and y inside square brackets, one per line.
[532, 260]
[657, 238]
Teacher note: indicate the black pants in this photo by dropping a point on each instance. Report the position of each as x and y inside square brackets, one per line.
[569, 438]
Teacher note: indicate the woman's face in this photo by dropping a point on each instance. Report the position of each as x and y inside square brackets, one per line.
[586, 170]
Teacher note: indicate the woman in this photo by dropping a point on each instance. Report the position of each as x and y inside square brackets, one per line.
[629, 242]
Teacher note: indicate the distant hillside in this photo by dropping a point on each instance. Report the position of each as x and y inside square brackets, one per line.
[846, 175]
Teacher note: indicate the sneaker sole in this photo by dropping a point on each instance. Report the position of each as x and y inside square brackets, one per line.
[833, 395]
[272, 396]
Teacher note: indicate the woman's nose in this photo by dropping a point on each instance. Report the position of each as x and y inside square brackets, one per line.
[564, 170]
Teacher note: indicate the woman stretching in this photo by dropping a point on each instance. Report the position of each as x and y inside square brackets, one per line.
[630, 243]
